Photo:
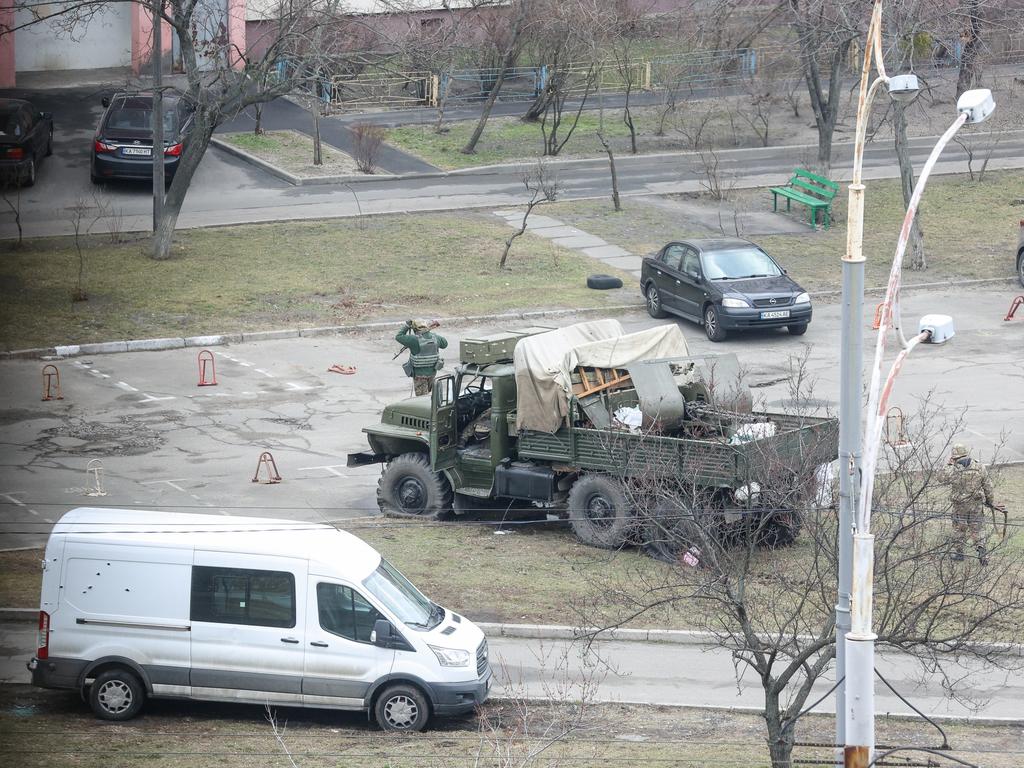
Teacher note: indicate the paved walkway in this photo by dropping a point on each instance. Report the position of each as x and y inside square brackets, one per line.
[560, 233]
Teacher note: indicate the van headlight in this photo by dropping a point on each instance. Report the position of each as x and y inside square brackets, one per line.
[730, 301]
[803, 298]
[451, 657]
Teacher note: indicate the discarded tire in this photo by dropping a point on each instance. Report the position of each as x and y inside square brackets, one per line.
[603, 282]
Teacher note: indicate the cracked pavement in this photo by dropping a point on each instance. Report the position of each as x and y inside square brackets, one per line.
[166, 443]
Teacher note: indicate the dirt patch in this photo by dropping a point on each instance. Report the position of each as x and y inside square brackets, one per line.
[127, 436]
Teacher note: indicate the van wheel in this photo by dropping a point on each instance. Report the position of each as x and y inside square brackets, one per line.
[599, 513]
[116, 694]
[401, 708]
[409, 488]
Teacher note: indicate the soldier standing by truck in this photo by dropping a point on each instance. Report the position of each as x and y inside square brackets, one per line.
[970, 491]
[424, 353]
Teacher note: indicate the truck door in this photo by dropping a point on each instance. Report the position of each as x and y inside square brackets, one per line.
[341, 663]
[443, 423]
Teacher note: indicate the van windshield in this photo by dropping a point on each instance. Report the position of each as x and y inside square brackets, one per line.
[403, 599]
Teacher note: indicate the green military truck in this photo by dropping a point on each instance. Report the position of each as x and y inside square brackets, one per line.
[584, 421]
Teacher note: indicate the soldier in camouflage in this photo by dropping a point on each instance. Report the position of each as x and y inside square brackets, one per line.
[970, 491]
[424, 347]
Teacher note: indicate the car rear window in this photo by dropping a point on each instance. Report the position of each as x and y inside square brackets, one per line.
[12, 125]
[137, 117]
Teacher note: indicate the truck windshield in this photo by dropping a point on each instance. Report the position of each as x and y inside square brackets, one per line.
[402, 598]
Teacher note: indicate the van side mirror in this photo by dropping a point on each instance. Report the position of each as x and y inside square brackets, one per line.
[381, 634]
[105, 101]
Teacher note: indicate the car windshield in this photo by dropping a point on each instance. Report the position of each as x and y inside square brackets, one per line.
[401, 598]
[139, 117]
[738, 263]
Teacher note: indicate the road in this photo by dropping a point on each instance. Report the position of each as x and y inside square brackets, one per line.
[229, 191]
[163, 442]
[666, 673]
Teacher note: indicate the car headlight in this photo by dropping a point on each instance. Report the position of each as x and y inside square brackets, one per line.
[803, 298]
[451, 657]
[733, 302]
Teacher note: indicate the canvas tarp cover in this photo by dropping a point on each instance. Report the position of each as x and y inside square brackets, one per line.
[544, 364]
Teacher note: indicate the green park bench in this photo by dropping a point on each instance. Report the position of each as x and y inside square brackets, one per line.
[814, 191]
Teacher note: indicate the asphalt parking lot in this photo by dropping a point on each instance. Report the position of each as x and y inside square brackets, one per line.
[164, 442]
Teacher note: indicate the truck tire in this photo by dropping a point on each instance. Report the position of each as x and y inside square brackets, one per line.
[402, 708]
[116, 694]
[669, 529]
[599, 513]
[409, 488]
[778, 528]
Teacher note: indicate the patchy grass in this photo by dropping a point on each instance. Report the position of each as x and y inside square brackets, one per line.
[42, 726]
[293, 152]
[303, 273]
[20, 578]
[967, 227]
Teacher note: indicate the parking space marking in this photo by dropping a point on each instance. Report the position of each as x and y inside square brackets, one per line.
[128, 387]
[146, 397]
[301, 387]
[12, 497]
[268, 374]
[329, 468]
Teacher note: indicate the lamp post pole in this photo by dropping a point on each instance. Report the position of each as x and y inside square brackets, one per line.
[158, 117]
[851, 365]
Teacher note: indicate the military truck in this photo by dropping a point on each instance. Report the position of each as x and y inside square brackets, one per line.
[576, 420]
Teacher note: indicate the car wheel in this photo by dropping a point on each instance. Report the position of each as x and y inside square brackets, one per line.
[713, 323]
[49, 144]
[409, 488]
[654, 308]
[1020, 267]
[116, 694]
[96, 179]
[797, 330]
[402, 708]
[599, 512]
[29, 179]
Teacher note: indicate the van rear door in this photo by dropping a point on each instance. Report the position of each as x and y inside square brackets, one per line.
[341, 663]
[247, 615]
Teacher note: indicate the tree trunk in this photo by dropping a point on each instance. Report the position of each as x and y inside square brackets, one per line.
[195, 147]
[627, 118]
[470, 147]
[314, 110]
[780, 738]
[918, 260]
[518, 233]
[611, 166]
[258, 130]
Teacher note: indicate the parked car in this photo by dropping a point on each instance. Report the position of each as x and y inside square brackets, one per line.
[26, 137]
[138, 605]
[123, 145]
[725, 284]
[1020, 253]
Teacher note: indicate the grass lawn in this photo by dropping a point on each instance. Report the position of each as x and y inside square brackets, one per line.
[970, 230]
[293, 152]
[304, 273]
[43, 727]
[536, 574]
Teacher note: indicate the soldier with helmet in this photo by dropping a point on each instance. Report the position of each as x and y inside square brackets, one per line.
[424, 353]
[970, 491]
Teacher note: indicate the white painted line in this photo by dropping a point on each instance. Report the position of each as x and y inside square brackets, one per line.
[242, 362]
[150, 399]
[268, 374]
[301, 387]
[173, 483]
[128, 387]
[10, 497]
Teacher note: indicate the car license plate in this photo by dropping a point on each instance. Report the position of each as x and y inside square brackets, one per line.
[144, 151]
[775, 315]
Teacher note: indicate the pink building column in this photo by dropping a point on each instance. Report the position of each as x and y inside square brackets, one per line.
[7, 44]
[142, 38]
[236, 33]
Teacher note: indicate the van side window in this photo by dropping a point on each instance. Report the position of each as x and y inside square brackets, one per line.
[243, 596]
[345, 612]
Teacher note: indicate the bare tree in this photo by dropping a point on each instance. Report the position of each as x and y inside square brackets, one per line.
[367, 139]
[761, 96]
[222, 79]
[773, 608]
[10, 191]
[611, 169]
[542, 187]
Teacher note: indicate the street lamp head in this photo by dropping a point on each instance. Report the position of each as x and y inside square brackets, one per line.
[977, 105]
[903, 88]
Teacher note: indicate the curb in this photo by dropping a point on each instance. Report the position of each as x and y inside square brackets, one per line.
[302, 181]
[557, 632]
[19, 614]
[149, 345]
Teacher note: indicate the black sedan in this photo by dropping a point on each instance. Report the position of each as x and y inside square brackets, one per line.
[123, 145]
[724, 284]
[26, 137]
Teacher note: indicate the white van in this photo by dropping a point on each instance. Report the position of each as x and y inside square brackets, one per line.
[245, 609]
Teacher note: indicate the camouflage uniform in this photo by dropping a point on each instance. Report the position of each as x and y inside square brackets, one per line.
[970, 491]
[424, 358]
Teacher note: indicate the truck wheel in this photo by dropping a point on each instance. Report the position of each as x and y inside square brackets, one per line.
[116, 694]
[669, 530]
[401, 708]
[409, 488]
[778, 528]
[599, 513]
